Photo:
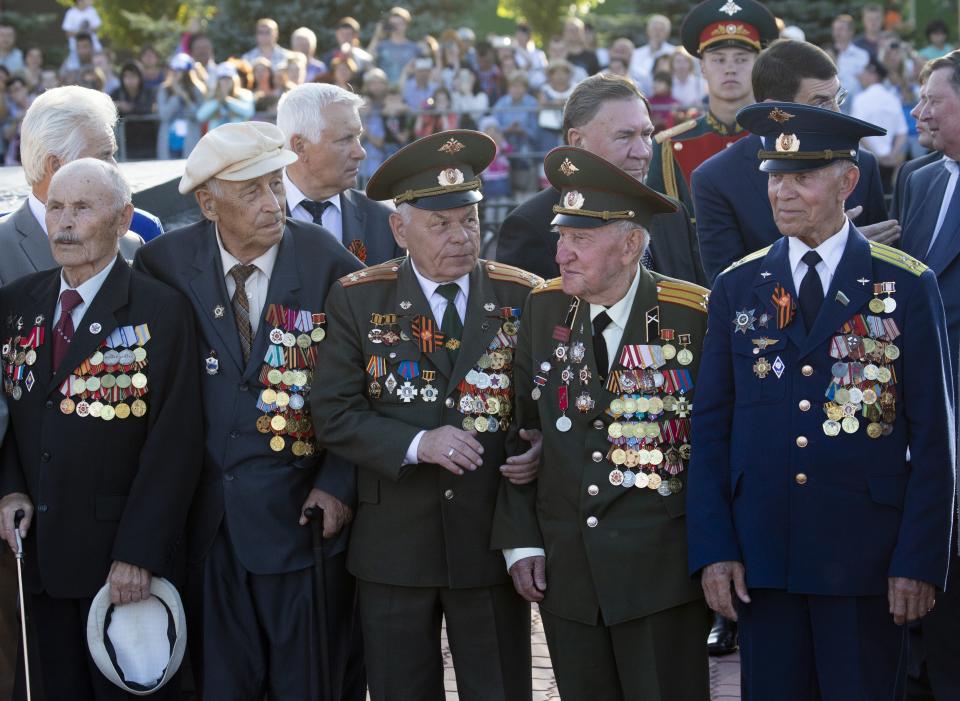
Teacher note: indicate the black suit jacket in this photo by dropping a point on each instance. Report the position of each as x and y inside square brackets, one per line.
[368, 222]
[103, 490]
[896, 204]
[257, 491]
[526, 240]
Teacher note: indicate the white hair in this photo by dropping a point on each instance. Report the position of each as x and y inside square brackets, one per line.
[307, 34]
[110, 175]
[300, 111]
[63, 122]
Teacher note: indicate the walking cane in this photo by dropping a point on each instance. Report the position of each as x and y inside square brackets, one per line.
[315, 515]
[17, 517]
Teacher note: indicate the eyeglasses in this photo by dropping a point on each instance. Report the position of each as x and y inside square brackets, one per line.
[838, 99]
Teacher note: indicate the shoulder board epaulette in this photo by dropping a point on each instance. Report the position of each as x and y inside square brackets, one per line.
[510, 273]
[375, 273]
[552, 285]
[895, 256]
[683, 293]
[746, 259]
[681, 128]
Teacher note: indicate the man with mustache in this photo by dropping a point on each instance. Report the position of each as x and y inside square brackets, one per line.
[257, 284]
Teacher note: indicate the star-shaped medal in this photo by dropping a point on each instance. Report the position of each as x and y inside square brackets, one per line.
[744, 321]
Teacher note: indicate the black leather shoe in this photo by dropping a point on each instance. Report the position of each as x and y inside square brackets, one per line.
[723, 636]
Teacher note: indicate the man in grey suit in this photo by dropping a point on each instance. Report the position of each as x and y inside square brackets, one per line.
[321, 125]
[258, 284]
[61, 125]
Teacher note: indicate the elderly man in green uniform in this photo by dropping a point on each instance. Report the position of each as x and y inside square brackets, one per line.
[419, 394]
[726, 36]
[605, 364]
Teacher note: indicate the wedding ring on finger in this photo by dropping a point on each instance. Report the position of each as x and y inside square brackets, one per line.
[450, 453]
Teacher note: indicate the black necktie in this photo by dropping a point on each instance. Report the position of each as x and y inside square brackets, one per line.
[451, 326]
[601, 322]
[811, 289]
[316, 209]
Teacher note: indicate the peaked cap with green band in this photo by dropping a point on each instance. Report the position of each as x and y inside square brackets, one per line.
[594, 192]
[440, 171]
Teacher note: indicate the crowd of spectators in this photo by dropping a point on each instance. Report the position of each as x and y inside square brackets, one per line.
[506, 86]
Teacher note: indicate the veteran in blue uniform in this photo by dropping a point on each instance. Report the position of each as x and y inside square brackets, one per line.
[822, 479]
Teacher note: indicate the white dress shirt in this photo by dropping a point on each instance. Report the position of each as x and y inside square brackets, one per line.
[39, 211]
[332, 219]
[951, 166]
[87, 291]
[619, 314]
[881, 107]
[641, 65]
[831, 251]
[256, 286]
[438, 305]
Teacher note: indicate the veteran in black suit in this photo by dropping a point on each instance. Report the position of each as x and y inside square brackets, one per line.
[418, 393]
[257, 284]
[607, 115]
[321, 124]
[104, 452]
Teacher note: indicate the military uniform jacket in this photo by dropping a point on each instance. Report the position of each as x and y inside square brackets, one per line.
[108, 482]
[800, 467]
[612, 550]
[258, 490]
[420, 525]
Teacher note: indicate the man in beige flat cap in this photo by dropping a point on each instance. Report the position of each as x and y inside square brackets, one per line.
[257, 283]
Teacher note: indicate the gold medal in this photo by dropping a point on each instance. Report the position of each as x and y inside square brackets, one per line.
[268, 396]
[278, 423]
[669, 351]
[874, 430]
[641, 405]
[618, 456]
[288, 378]
[615, 430]
[299, 448]
[509, 328]
[654, 481]
[304, 341]
[632, 459]
[656, 405]
[891, 351]
[884, 375]
[616, 407]
[493, 406]
[876, 305]
[283, 399]
[276, 444]
[67, 406]
[468, 423]
[481, 423]
[869, 396]
[108, 413]
[263, 424]
[274, 377]
[138, 408]
[289, 340]
[123, 411]
[842, 396]
[834, 412]
[317, 335]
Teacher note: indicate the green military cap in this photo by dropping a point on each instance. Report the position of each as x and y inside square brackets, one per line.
[440, 171]
[594, 192]
[714, 24]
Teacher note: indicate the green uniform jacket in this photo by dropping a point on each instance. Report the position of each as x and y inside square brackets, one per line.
[416, 525]
[616, 551]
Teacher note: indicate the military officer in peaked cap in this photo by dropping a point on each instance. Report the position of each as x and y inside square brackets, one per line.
[826, 359]
[727, 35]
[606, 364]
[418, 393]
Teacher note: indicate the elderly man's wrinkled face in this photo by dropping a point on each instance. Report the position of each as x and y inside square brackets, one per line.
[334, 161]
[594, 262]
[940, 112]
[249, 213]
[622, 133]
[444, 245]
[810, 204]
[84, 219]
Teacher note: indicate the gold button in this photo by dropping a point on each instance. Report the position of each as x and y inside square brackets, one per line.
[593, 490]
[592, 522]
[807, 370]
[598, 424]
[801, 441]
[804, 405]
[597, 456]
[448, 495]
[800, 479]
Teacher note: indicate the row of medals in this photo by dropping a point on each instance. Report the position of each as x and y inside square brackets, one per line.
[108, 370]
[878, 408]
[488, 408]
[14, 359]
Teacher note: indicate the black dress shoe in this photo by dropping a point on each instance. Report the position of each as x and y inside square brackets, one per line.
[723, 636]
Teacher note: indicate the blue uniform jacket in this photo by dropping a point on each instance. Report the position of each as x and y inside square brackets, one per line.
[806, 512]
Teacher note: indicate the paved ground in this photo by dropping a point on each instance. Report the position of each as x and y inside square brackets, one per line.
[724, 671]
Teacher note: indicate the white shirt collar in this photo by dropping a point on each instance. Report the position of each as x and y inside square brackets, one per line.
[831, 250]
[429, 286]
[619, 313]
[39, 211]
[295, 195]
[89, 289]
[264, 263]
[951, 165]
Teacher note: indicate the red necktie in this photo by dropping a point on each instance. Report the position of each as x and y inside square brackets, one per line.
[63, 331]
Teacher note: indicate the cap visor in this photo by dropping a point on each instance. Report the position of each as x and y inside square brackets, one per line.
[450, 200]
[774, 165]
[578, 222]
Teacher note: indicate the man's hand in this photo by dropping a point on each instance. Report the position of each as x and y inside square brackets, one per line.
[716, 581]
[910, 599]
[128, 583]
[530, 577]
[887, 232]
[336, 514]
[522, 469]
[451, 448]
[9, 506]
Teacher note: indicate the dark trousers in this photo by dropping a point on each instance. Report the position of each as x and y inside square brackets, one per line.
[257, 635]
[795, 647]
[60, 663]
[9, 621]
[488, 629]
[660, 657]
[935, 645]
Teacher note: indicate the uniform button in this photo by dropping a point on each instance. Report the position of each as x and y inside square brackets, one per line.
[800, 479]
[598, 424]
[802, 441]
[449, 403]
[244, 387]
[807, 370]
[597, 456]
[448, 495]
[234, 434]
[804, 405]
[393, 355]
[228, 478]
[593, 490]
[593, 521]
[42, 508]
[49, 404]
[45, 456]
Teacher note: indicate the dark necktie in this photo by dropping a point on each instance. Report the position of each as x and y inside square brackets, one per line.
[811, 290]
[63, 331]
[646, 260]
[241, 307]
[601, 322]
[451, 326]
[316, 209]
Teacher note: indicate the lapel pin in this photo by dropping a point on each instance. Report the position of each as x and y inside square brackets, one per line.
[863, 281]
[218, 311]
[406, 304]
[39, 320]
[95, 328]
[842, 298]
[212, 363]
[764, 274]
[485, 325]
[489, 306]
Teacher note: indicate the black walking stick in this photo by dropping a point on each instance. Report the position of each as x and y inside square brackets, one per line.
[315, 515]
[17, 518]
